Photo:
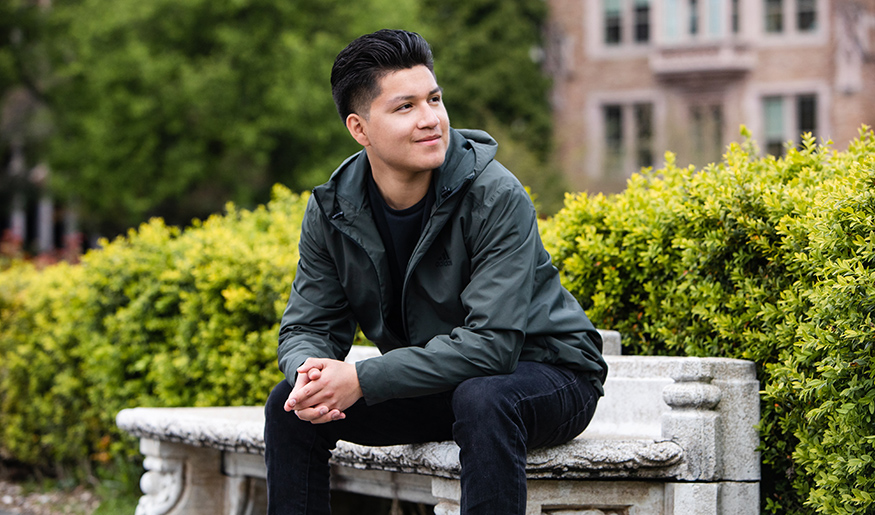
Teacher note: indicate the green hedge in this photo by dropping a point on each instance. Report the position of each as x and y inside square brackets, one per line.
[160, 317]
[756, 258]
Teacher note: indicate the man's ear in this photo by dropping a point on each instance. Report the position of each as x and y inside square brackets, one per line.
[357, 127]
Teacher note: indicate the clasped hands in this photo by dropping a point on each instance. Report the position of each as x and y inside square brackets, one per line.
[323, 389]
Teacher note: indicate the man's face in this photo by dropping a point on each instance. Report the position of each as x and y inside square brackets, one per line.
[407, 129]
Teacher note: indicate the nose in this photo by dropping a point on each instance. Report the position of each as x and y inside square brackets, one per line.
[429, 118]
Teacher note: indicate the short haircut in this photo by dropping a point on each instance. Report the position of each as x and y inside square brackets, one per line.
[358, 68]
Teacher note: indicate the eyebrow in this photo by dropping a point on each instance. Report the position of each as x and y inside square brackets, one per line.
[410, 97]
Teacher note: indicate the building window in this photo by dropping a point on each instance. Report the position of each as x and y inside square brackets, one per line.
[628, 137]
[782, 125]
[643, 135]
[736, 17]
[613, 22]
[707, 126]
[694, 16]
[642, 21]
[806, 15]
[774, 16]
[613, 138]
[694, 20]
[625, 22]
[806, 113]
[716, 17]
[773, 111]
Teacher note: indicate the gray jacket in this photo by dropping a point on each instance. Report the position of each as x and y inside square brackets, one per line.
[480, 293]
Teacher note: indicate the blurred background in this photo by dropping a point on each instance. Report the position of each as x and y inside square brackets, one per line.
[115, 111]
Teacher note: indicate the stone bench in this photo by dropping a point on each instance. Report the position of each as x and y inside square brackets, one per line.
[673, 435]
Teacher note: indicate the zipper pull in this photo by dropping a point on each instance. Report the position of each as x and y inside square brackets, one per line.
[337, 215]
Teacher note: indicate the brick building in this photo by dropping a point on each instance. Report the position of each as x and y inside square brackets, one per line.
[633, 78]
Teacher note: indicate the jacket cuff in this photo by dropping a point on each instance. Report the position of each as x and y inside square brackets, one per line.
[374, 381]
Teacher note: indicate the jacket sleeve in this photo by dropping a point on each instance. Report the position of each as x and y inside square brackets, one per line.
[317, 321]
[504, 246]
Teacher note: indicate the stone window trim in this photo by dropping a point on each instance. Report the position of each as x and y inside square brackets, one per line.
[632, 36]
[631, 104]
[790, 93]
[795, 25]
[738, 20]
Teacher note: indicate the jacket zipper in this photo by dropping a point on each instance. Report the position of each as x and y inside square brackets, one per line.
[445, 195]
[339, 216]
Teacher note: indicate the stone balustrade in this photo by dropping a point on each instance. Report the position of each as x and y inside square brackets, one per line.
[673, 435]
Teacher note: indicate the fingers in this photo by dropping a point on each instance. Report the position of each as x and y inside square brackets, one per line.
[310, 371]
[323, 389]
[295, 395]
[312, 363]
[319, 415]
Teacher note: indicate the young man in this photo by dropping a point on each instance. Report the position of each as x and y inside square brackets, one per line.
[432, 248]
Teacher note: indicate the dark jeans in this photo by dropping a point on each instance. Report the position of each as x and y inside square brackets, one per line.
[494, 419]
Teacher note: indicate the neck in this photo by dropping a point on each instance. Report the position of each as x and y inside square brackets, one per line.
[401, 191]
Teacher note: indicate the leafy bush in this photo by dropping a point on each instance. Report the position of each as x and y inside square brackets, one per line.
[756, 258]
[159, 317]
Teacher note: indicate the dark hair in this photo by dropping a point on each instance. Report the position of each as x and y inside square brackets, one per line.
[358, 68]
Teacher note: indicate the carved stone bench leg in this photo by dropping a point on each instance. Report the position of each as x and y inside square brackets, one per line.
[181, 479]
[447, 492]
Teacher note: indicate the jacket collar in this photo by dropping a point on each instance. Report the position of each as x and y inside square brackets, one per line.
[344, 195]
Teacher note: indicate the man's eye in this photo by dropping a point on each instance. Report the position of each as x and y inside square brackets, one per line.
[436, 99]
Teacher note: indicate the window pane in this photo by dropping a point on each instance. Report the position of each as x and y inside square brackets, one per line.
[736, 16]
[642, 21]
[806, 13]
[806, 106]
[774, 15]
[613, 22]
[717, 117]
[613, 138]
[773, 114]
[698, 130]
[644, 134]
[707, 127]
[715, 17]
[694, 16]
[670, 22]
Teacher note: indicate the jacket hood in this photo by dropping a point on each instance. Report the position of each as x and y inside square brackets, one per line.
[468, 154]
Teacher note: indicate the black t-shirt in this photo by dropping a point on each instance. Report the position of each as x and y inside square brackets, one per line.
[400, 231]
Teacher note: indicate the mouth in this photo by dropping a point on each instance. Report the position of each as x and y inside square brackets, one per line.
[429, 139]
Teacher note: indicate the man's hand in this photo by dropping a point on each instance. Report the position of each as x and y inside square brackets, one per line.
[323, 389]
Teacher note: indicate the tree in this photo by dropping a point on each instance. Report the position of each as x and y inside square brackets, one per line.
[488, 58]
[174, 107]
[23, 121]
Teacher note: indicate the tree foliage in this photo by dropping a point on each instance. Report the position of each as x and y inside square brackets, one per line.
[173, 107]
[489, 58]
[22, 66]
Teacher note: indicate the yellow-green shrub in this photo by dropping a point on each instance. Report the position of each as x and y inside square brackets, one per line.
[159, 317]
[755, 258]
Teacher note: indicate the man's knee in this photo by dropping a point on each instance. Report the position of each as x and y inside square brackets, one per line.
[480, 396]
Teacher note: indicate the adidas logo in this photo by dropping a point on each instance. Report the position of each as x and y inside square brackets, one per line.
[444, 259]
